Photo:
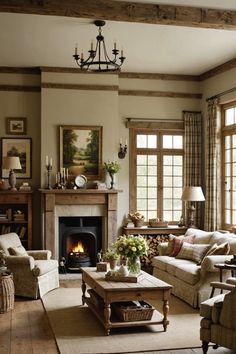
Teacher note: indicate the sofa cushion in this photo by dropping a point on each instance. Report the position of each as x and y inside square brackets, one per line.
[220, 238]
[193, 252]
[172, 266]
[222, 249]
[17, 251]
[161, 262]
[201, 235]
[45, 266]
[175, 243]
[189, 273]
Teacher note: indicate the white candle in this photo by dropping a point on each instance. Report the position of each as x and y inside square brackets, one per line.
[51, 161]
[76, 49]
[126, 142]
[91, 45]
[120, 141]
[67, 173]
[115, 45]
[47, 160]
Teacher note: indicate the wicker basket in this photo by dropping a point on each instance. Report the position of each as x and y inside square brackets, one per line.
[158, 224]
[133, 311]
[7, 292]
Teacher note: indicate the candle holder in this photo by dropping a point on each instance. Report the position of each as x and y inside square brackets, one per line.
[122, 151]
[49, 171]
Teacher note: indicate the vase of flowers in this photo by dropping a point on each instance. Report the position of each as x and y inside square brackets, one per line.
[131, 247]
[111, 257]
[111, 168]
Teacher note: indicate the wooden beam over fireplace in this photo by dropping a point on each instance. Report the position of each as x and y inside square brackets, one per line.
[127, 11]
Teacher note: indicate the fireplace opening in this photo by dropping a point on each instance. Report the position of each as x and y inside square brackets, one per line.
[80, 239]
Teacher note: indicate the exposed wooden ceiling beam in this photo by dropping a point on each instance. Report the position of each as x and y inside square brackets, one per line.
[126, 11]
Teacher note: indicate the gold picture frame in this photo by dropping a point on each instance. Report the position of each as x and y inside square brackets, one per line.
[81, 150]
[16, 125]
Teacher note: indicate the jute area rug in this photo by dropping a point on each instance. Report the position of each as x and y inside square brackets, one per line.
[78, 331]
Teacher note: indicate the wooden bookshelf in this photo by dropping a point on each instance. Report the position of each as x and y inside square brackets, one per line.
[16, 215]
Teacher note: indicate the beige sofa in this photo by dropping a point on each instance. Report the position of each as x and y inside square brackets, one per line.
[34, 273]
[190, 281]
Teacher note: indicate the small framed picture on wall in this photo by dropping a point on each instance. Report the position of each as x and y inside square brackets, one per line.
[16, 126]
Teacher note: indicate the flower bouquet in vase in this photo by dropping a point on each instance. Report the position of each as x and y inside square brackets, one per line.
[111, 168]
[132, 247]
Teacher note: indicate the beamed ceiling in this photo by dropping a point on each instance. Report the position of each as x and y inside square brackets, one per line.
[156, 36]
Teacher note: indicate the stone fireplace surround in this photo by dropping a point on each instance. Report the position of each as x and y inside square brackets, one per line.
[81, 202]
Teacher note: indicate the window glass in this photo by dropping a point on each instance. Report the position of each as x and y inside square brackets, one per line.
[158, 183]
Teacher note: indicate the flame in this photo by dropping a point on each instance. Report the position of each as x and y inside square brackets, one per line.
[78, 248]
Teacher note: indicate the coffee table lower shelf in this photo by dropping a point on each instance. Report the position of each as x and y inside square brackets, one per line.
[157, 318]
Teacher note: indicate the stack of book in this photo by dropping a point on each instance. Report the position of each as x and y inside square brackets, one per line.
[3, 216]
[25, 187]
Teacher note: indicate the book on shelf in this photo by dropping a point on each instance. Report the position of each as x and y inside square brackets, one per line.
[9, 214]
[22, 232]
[5, 229]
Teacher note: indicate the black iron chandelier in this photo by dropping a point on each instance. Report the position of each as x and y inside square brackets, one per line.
[98, 59]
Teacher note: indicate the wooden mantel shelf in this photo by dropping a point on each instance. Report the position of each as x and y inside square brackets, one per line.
[80, 191]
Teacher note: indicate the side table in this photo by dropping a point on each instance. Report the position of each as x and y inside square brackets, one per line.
[7, 292]
[221, 267]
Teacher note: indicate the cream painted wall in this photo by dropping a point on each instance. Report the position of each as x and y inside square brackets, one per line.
[25, 104]
[45, 112]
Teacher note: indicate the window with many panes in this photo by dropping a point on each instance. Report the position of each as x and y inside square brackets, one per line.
[156, 173]
[229, 165]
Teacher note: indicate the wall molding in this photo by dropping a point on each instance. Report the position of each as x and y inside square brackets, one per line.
[169, 94]
[231, 64]
[174, 15]
[52, 85]
[20, 88]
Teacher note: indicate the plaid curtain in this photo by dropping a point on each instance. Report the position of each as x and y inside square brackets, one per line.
[192, 155]
[213, 167]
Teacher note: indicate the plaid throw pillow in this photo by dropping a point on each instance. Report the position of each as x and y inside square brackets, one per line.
[193, 252]
[175, 244]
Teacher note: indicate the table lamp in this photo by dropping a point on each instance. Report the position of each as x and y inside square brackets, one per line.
[192, 194]
[12, 163]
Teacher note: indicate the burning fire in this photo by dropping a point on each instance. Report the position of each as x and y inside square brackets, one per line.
[78, 248]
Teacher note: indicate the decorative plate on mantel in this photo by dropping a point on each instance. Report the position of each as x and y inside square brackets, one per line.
[80, 181]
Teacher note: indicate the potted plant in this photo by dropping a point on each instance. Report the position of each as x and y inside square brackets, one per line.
[111, 167]
[111, 257]
[137, 218]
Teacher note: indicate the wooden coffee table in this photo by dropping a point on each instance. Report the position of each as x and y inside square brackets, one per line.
[147, 288]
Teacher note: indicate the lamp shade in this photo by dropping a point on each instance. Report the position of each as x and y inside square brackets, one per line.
[11, 163]
[192, 194]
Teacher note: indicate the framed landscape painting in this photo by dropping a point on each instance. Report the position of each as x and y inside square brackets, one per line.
[18, 147]
[81, 150]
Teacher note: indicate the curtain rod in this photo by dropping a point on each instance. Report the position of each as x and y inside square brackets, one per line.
[192, 112]
[153, 120]
[222, 93]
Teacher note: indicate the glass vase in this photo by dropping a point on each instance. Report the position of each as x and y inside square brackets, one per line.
[112, 180]
[134, 265]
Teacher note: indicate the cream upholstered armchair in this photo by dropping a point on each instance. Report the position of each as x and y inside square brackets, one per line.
[34, 273]
[218, 324]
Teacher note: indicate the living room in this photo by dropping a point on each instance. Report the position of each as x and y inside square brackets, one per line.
[163, 77]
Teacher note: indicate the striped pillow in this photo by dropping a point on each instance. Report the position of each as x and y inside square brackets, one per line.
[194, 252]
[175, 243]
